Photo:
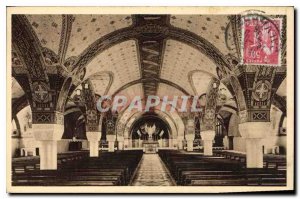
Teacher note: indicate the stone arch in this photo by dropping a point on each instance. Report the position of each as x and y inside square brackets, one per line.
[175, 127]
[156, 116]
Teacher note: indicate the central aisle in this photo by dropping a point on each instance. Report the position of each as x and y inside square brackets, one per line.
[152, 172]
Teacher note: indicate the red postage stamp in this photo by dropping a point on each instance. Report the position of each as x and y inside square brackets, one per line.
[261, 41]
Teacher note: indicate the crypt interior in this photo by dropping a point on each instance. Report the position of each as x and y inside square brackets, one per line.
[63, 64]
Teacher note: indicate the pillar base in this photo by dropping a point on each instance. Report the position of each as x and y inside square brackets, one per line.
[208, 137]
[254, 153]
[170, 143]
[48, 155]
[94, 138]
[111, 142]
[48, 135]
[190, 141]
[190, 146]
[180, 142]
[120, 145]
[254, 132]
[120, 142]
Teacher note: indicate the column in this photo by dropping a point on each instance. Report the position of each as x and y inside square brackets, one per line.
[208, 137]
[170, 142]
[160, 143]
[111, 142]
[120, 142]
[190, 141]
[93, 138]
[226, 142]
[180, 142]
[126, 143]
[48, 135]
[190, 134]
[254, 132]
[140, 143]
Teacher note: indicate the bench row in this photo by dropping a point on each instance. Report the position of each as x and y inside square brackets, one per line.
[109, 169]
[198, 170]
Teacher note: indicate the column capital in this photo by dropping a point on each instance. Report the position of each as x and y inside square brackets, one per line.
[93, 135]
[208, 135]
[50, 132]
[111, 138]
[254, 129]
[190, 137]
[47, 117]
[120, 138]
[180, 137]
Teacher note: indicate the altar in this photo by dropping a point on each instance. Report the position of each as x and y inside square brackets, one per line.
[150, 146]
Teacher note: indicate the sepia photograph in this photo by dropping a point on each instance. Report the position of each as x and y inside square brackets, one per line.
[150, 99]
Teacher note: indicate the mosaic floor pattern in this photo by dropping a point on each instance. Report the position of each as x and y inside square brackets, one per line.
[152, 172]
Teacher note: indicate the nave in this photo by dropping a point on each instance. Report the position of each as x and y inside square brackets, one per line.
[118, 100]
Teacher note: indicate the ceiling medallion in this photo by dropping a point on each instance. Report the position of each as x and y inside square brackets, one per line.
[261, 90]
[40, 92]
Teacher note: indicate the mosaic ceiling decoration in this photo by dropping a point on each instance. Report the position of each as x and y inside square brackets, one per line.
[121, 60]
[212, 28]
[88, 28]
[179, 59]
[48, 29]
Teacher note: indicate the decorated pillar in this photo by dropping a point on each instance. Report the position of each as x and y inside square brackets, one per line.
[111, 119]
[208, 124]
[120, 135]
[257, 76]
[261, 84]
[93, 133]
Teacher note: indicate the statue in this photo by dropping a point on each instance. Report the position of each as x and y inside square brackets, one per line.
[150, 130]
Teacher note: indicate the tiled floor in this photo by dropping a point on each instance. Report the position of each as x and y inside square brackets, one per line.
[152, 172]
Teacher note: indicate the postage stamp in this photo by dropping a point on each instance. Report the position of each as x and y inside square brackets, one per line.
[261, 41]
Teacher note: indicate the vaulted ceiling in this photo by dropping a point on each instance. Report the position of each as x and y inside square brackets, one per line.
[146, 57]
[146, 62]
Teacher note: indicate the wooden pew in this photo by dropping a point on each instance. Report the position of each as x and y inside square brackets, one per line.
[109, 169]
[197, 170]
